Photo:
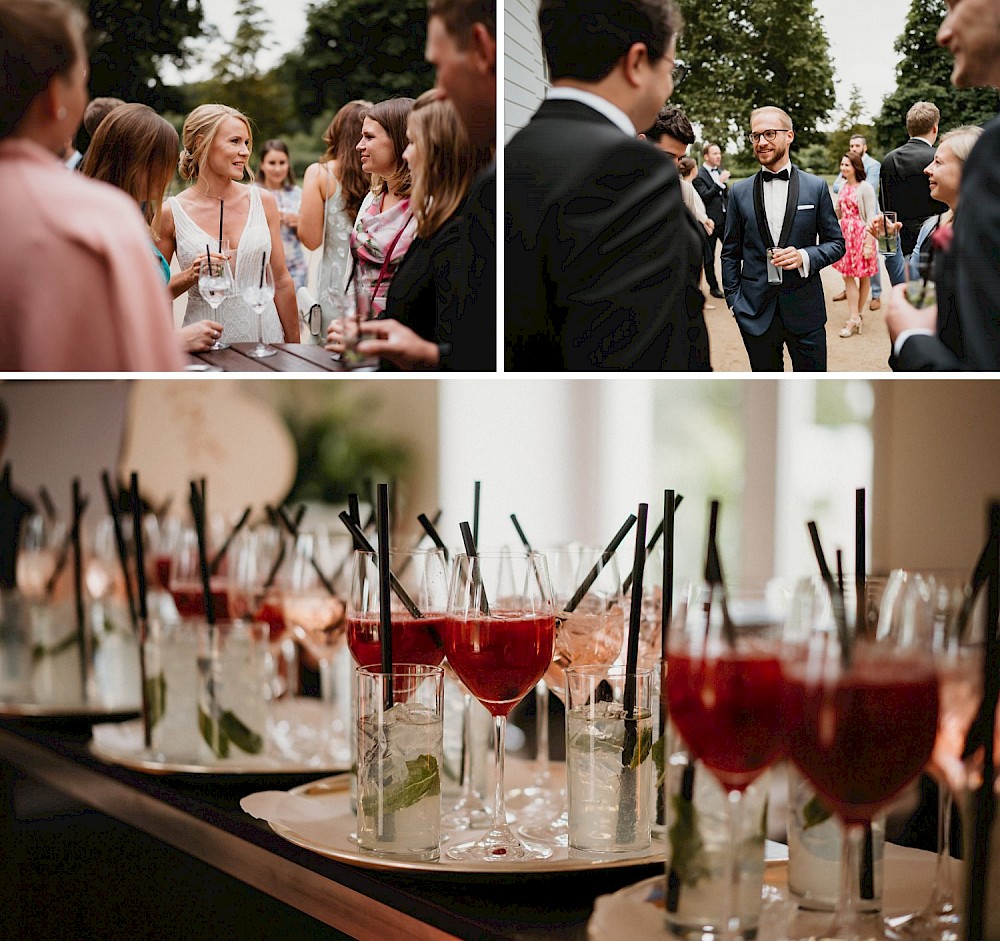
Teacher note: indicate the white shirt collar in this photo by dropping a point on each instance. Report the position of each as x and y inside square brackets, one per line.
[601, 105]
[787, 165]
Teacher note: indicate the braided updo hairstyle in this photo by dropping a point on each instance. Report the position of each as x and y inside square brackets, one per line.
[200, 128]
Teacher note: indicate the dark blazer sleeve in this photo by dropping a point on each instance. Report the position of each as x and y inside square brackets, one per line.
[831, 245]
[732, 241]
[706, 188]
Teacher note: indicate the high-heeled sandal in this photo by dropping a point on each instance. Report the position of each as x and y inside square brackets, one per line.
[851, 327]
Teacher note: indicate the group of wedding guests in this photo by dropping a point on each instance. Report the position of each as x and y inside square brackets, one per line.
[401, 206]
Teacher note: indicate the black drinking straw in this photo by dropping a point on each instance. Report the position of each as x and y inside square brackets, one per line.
[980, 574]
[221, 554]
[208, 258]
[520, 533]
[354, 508]
[470, 550]
[433, 533]
[116, 519]
[714, 577]
[836, 597]
[222, 209]
[198, 512]
[980, 736]
[650, 546]
[384, 591]
[140, 570]
[263, 265]
[840, 569]
[606, 555]
[79, 506]
[292, 525]
[475, 513]
[670, 504]
[43, 495]
[61, 560]
[363, 545]
[860, 562]
[407, 559]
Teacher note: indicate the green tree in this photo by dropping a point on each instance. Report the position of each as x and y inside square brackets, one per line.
[370, 49]
[850, 124]
[129, 41]
[924, 74]
[750, 53]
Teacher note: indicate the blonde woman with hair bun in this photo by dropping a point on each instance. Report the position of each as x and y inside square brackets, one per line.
[217, 142]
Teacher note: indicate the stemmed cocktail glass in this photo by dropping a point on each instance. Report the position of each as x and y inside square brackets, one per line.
[258, 294]
[500, 635]
[724, 698]
[930, 605]
[216, 283]
[860, 718]
[592, 633]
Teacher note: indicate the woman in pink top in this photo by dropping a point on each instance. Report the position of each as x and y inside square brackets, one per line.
[79, 288]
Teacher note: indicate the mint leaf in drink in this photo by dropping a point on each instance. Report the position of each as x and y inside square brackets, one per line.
[213, 734]
[645, 746]
[40, 651]
[687, 849]
[814, 813]
[659, 750]
[422, 780]
[156, 697]
[241, 735]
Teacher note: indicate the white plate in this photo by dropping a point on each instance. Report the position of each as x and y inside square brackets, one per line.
[637, 911]
[121, 743]
[330, 837]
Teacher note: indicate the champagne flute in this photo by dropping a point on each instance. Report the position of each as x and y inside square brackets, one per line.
[724, 698]
[860, 720]
[499, 636]
[928, 603]
[592, 633]
[258, 296]
[216, 283]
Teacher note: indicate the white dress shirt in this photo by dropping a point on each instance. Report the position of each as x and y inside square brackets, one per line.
[775, 203]
[601, 105]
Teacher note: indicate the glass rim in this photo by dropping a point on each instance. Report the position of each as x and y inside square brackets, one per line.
[402, 669]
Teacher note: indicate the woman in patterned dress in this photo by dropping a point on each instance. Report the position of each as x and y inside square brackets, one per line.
[276, 175]
[855, 207]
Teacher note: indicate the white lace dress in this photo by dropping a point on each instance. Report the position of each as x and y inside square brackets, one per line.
[336, 261]
[238, 319]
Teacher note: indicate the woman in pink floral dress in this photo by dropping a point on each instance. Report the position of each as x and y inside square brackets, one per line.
[856, 208]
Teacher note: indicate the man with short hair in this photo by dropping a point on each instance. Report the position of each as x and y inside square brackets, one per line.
[602, 259]
[97, 110]
[710, 184]
[962, 332]
[781, 229]
[462, 46]
[903, 185]
[859, 145]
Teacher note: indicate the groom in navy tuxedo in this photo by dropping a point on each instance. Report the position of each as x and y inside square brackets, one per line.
[781, 230]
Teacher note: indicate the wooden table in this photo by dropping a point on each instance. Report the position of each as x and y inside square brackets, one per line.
[205, 822]
[291, 357]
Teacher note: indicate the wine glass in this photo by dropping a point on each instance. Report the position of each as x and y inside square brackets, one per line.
[860, 719]
[591, 633]
[187, 584]
[258, 295]
[216, 283]
[930, 603]
[499, 637]
[724, 698]
[41, 541]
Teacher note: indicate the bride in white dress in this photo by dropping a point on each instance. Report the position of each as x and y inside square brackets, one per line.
[217, 145]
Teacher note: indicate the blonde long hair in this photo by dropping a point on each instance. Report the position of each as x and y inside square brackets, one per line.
[447, 164]
[200, 128]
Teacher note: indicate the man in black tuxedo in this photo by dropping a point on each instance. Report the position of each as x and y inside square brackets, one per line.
[963, 331]
[711, 186]
[602, 259]
[781, 230]
[903, 185]
[462, 45]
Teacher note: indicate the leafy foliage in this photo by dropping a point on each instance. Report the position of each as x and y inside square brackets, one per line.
[924, 74]
[370, 49]
[750, 53]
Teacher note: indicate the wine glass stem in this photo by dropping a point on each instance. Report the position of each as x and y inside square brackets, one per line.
[942, 898]
[326, 680]
[499, 805]
[541, 732]
[467, 745]
[850, 878]
[733, 921]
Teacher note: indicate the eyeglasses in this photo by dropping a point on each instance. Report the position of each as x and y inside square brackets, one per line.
[679, 73]
[769, 135]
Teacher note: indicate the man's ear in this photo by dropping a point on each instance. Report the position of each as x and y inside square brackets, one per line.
[484, 47]
[632, 63]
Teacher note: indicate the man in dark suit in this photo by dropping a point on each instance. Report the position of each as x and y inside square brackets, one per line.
[781, 229]
[462, 45]
[963, 331]
[711, 186]
[602, 259]
[903, 185]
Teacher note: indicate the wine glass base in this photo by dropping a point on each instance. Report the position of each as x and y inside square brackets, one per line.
[467, 818]
[261, 352]
[218, 345]
[552, 833]
[934, 926]
[498, 848]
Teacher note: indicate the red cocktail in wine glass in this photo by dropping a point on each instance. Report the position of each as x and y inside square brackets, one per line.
[499, 638]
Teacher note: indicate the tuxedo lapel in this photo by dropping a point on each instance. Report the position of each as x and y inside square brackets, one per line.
[791, 206]
[758, 210]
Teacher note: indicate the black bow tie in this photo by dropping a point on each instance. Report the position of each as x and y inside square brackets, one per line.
[780, 175]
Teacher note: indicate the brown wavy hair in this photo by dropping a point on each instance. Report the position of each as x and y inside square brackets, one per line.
[136, 150]
[447, 166]
[341, 139]
[392, 115]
